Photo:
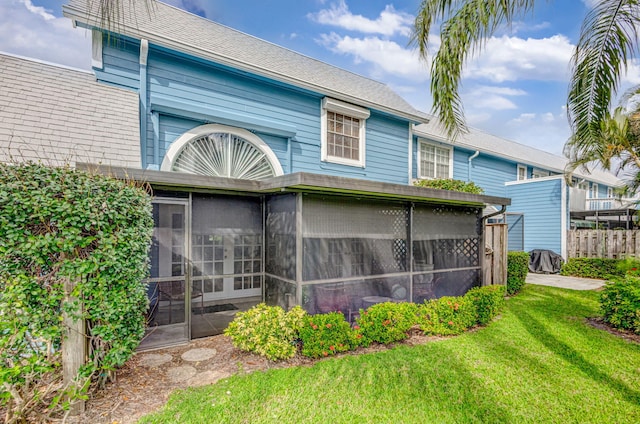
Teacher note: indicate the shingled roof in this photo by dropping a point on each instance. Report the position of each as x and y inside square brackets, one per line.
[58, 115]
[493, 145]
[176, 29]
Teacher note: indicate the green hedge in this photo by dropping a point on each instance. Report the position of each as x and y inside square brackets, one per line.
[272, 332]
[450, 184]
[620, 304]
[592, 268]
[517, 270]
[57, 225]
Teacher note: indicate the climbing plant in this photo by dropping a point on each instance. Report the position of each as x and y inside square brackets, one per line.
[73, 243]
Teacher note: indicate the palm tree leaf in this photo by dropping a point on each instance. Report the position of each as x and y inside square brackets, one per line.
[466, 28]
[608, 38]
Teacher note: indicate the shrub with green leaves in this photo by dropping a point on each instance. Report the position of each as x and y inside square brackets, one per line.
[447, 315]
[603, 268]
[450, 184]
[267, 330]
[620, 303]
[61, 225]
[517, 270]
[326, 334]
[488, 302]
[629, 266]
[386, 322]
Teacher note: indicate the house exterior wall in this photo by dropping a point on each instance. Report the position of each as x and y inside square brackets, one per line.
[545, 209]
[184, 92]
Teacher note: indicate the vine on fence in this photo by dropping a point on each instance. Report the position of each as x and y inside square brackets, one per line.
[61, 225]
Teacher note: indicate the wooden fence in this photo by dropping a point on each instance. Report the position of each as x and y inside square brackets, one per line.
[495, 258]
[614, 244]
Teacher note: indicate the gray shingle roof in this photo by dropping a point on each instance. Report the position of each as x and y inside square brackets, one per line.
[493, 145]
[59, 115]
[176, 29]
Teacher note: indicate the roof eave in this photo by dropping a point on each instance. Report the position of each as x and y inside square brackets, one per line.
[90, 21]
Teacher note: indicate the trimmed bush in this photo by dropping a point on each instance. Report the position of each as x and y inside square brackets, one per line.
[447, 316]
[326, 334]
[488, 302]
[267, 330]
[450, 184]
[620, 304]
[603, 268]
[517, 270]
[57, 226]
[386, 322]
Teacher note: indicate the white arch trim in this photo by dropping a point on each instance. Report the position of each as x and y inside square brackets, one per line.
[183, 141]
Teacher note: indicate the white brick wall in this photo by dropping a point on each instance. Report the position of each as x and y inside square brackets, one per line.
[57, 115]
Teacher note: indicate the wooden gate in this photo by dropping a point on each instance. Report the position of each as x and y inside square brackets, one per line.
[495, 259]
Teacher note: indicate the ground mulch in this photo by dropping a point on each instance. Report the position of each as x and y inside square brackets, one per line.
[140, 389]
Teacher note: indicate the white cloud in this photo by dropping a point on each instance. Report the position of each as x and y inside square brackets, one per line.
[32, 31]
[388, 57]
[484, 97]
[38, 10]
[520, 26]
[513, 58]
[547, 131]
[389, 22]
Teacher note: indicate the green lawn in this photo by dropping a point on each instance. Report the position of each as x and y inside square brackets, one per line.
[538, 363]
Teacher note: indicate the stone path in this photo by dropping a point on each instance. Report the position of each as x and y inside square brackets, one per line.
[556, 280]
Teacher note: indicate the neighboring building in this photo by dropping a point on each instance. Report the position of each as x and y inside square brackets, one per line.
[276, 177]
[543, 205]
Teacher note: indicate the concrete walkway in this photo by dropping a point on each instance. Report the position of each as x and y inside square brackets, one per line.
[556, 280]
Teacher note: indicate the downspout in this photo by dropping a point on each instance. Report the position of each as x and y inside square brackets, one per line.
[143, 93]
[472, 157]
[410, 164]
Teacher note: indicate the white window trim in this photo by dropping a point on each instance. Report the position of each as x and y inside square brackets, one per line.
[540, 173]
[352, 111]
[440, 146]
[610, 194]
[595, 190]
[518, 172]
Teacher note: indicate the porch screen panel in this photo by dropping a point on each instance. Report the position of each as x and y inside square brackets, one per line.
[280, 231]
[345, 238]
[226, 246]
[445, 239]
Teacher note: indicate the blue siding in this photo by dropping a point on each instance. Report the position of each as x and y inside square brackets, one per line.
[491, 173]
[221, 96]
[540, 201]
[120, 60]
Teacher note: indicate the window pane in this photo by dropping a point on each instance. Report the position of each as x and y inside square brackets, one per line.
[343, 136]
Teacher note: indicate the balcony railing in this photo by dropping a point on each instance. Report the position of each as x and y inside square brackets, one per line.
[579, 201]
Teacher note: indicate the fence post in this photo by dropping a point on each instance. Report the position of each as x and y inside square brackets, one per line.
[74, 347]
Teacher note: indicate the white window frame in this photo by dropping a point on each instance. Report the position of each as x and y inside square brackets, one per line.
[422, 142]
[520, 168]
[540, 173]
[583, 185]
[343, 108]
[593, 193]
[610, 194]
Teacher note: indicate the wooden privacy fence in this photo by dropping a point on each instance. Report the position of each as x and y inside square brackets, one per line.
[614, 244]
[495, 258]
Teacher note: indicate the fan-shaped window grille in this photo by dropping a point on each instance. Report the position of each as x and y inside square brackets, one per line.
[222, 151]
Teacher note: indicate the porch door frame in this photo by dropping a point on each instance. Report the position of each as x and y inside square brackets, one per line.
[186, 265]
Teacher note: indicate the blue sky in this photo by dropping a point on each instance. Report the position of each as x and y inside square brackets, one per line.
[515, 89]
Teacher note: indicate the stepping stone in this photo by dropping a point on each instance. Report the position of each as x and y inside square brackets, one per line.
[207, 377]
[197, 355]
[154, 360]
[181, 373]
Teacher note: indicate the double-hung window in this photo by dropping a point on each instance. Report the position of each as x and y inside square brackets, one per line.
[343, 132]
[435, 161]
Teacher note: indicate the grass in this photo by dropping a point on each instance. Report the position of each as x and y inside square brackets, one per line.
[539, 363]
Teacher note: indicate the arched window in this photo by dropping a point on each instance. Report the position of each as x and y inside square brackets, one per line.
[222, 151]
